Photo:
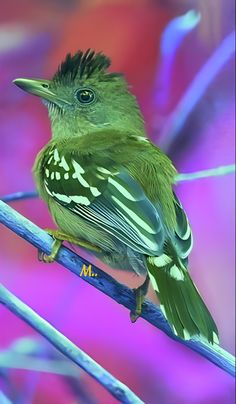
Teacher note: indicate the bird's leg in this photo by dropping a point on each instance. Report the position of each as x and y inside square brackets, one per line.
[59, 237]
[50, 258]
[140, 294]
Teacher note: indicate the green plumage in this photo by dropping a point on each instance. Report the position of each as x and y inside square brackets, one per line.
[181, 303]
[106, 183]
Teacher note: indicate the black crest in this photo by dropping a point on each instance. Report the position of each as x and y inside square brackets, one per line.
[82, 65]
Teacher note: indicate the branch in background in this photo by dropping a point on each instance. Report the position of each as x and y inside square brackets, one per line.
[196, 90]
[43, 350]
[212, 172]
[106, 284]
[35, 354]
[4, 399]
[16, 196]
[174, 34]
[27, 362]
[66, 347]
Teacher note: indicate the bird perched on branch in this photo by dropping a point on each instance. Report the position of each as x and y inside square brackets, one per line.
[109, 188]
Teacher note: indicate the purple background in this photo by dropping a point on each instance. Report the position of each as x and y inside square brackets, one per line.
[34, 38]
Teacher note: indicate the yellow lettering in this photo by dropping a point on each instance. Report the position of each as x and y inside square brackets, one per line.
[86, 271]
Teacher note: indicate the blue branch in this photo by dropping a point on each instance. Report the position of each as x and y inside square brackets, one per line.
[196, 90]
[14, 360]
[211, 172]
[66, 347]
[4, 399]
[109, 286]
[16, 196]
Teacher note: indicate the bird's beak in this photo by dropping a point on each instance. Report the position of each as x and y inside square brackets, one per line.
[41, 88]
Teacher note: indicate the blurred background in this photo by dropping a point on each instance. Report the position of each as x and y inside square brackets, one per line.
[178, 56]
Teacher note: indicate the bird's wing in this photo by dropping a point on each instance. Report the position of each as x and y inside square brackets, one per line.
[106, 194]
[183, 239]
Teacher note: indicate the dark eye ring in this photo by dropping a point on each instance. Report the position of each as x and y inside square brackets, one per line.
[85, 95]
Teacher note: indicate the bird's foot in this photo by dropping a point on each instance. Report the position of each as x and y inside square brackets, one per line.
[59, 237]
[51, 257]
[139, 297]
[140, 294]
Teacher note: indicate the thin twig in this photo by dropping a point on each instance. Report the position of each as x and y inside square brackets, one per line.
[28, 362]
[35, 354]
[4, 399]
[196, 90]
[211, 172]
[66, 347]
[19, 196]
[106, 284]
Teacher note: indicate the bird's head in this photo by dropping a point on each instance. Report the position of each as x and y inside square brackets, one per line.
[83, 95]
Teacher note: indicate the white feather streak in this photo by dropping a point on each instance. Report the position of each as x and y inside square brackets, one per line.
[56, 155]
[78, 171]
[133, 216]
[121, 189]
[64, 164]
[80, 199]
[162, 260]
[176, 273]
[153, 281]
[95, 191]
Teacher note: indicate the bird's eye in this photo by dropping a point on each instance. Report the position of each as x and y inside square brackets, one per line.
[85, 95]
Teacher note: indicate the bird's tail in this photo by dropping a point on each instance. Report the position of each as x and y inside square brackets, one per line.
[180, 300]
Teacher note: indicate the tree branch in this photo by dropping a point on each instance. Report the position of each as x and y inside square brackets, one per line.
[106, 284]
[66, 347]
[16, 196]
[4, 399]
[28, 362]
[36, 355]
[211, 172]
[196, 90]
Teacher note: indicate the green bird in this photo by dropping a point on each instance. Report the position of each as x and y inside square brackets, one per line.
[109, 188]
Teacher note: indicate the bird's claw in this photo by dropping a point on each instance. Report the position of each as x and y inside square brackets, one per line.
[59, 237]
[48, 259]
[140, 294]
[134, 315]
[139, 297]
